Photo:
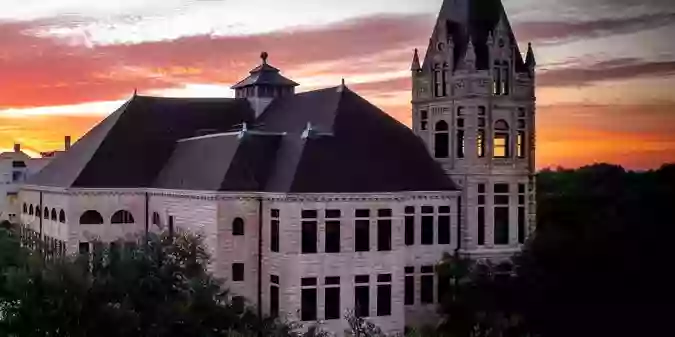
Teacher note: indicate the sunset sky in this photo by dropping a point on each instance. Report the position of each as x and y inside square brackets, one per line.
[606, 68]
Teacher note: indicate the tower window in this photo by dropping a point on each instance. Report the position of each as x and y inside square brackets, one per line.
[274, 230]
[424, 119]
[441, 140]
[501, 78]
[501, 139]
[437, 80]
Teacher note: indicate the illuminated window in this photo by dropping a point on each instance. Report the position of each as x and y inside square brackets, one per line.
[520, 147]
[501, 140]
[460, 144]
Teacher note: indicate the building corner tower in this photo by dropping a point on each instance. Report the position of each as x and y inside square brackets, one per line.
[473, 105]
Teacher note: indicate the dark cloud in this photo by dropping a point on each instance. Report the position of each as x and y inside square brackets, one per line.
[617, 69]
[554, 31]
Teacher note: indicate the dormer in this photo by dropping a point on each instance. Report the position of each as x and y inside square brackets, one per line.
[264, 84]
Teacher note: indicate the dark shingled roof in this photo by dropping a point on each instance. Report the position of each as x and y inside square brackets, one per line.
[158, 142]
[476, 19]
[265, 74]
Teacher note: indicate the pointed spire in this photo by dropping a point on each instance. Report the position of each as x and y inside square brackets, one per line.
[490, 39]
[529, 59]
[415, 62]
[342, 86]
[470, 56]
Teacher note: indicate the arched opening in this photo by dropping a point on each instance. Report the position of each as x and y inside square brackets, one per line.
[156, 220]
[501, 139]
[46, 213]
[62, 216]
[30, 210]
[25, 208]
[91, 218]
[238, 226]
[53, 214]
[441, 140]
[38, 211]
[122, 216]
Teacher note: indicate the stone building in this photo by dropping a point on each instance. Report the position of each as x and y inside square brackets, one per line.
[318, 202]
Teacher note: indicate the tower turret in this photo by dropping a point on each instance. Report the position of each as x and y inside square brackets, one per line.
[415, 67]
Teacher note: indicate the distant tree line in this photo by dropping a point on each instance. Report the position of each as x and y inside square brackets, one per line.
[598, 265]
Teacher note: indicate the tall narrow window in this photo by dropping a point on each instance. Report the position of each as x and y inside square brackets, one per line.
[505, 78]
[438, 84]
[501, 214]
[444, 80]
[460, 141]
[481, 215]
[501, 139]
[274, 295]
[171, 226]
[480, 133]
[521, 214]
[362, 295]
[497, 79]
[427, 225]
[427, 285]
[409, 289]
[424, 119]
[442, 140]
[308, 299]
[332, 300]
[309, 231]
[444, 225]
[384, 230]
[332, 236]
[384, 294]
[274, 230]
[362, 231]
[409, 225]
[520, 137]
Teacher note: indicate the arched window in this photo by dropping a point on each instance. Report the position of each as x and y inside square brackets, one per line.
[38, 211]
[156, 220]
[46, 213]
[122, 216]
[25, 208]
[501, 140]
[30, 210]
[53, 214]
[441, 140]
[501, 76]
[91, 218]
[238, 226]
[62, 216]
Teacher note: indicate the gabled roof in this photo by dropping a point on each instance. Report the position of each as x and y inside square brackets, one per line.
[474, 19]
[157, 142]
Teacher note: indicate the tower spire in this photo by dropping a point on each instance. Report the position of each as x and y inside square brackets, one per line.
[470, 56]
[415, 62]
[529, 59]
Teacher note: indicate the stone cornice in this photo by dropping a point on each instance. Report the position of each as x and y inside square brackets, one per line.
[271, 196]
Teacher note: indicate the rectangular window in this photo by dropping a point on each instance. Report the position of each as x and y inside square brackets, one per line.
[362, 296]
[501, 199]
[332, 236]
[383, 234]
[444, 230]
[274, 213]
[84, 248]
[501, 142]
[274, 235]
[171, 226]
[384, 213]
[424, 119]
[427, 285]
[332, 298]
[481, 226]
[309, 237]
[521, 224]
[308, 300]
[384, 298]
[409, 230]
[427, 209]
[409, 291]
[501, 226]
[274, 295]
[309, 214]
[362, 213]
[520, 144]
[501, 188]
[480, 143]
[427, 230]
[333, 214]
[237, 272]
[362, 235]
[460, 144]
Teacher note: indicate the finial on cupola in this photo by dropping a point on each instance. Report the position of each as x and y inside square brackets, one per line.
[415, 62]
[264, 57]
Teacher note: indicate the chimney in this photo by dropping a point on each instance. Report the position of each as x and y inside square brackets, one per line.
[67, 143]
[17, 147]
